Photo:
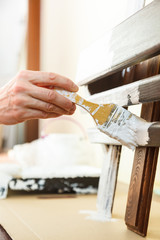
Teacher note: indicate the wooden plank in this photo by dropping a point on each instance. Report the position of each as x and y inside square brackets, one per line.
[130, 42]
[143, 172]
[142, 91]
[108, 180]
[33, 57]
[141, 185]
[95, 136]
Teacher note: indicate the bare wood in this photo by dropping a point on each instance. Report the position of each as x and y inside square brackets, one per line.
[33, 58]
[142, 91]
[127, 44]
[143, 172]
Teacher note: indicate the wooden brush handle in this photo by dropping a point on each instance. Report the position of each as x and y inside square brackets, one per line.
[75, 98]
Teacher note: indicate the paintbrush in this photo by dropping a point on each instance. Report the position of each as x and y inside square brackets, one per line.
[113, 120]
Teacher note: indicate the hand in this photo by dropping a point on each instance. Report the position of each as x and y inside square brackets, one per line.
[31, 95]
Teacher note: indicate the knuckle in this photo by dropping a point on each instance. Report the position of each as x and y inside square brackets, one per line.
[49, 108]
[51, 96]
[52, 75]
[16, 101]
[18, 88]
[44, 115]
[18, 115]
[23, 74]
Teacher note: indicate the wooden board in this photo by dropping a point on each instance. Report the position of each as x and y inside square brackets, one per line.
[142, 91]
[144, 168]
[132, 41]
[95, 136]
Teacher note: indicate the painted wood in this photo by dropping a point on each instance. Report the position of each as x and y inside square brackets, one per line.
[134, 40]
[142, 91]
[95, 136]
[33, 57]
[108, 180]
[144, 168]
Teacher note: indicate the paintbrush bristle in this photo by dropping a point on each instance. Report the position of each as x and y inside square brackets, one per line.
[126, 127]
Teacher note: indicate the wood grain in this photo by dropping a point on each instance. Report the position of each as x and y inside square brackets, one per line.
[33, 57]
[134, 40]
[144, 168]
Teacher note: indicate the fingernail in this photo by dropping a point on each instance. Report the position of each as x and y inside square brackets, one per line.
[75, 87]
[73, 108]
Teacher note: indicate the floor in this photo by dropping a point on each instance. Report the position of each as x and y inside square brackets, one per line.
[49, 217]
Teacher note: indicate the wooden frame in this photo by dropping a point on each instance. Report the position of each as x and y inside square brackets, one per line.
[134, 40]
[33, 57]
[144, 168]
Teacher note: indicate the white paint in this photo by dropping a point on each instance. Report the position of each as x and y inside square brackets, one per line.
[95, 216]
[88, 190]
[127, 128]
[119, 95]
[5, 178]
[96, 136]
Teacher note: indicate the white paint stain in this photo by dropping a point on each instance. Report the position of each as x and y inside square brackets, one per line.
[122, 96]
[96, 216]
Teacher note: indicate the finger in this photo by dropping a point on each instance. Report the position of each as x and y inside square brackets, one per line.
[51, 96]
[36, 114]
[51, 79]
[47, 107]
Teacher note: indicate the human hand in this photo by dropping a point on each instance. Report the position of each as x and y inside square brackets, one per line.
[31, 95]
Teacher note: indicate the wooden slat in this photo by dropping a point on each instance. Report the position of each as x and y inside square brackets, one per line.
[132, 41]
[144, 168]
[146, 90]
[95, 136]
[33, 57]
[141, 185]
[108, 180]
